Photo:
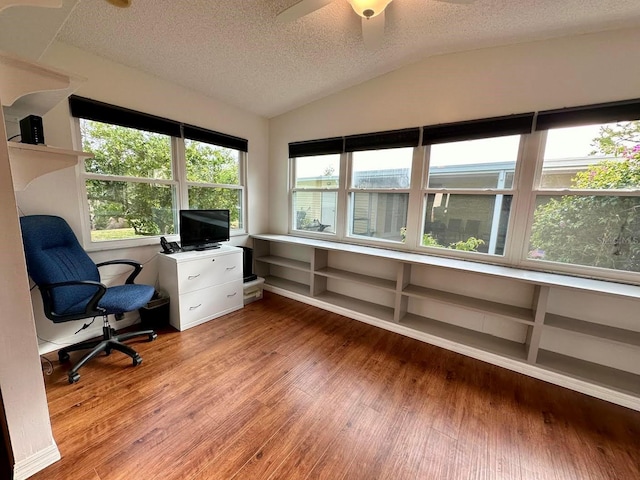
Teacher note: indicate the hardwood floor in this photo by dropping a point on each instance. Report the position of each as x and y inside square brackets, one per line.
[282, 390]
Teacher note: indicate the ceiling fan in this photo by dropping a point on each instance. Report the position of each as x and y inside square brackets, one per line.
[371, 11]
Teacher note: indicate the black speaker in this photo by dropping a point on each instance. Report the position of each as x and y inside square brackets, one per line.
[31, 130]
[247, 265]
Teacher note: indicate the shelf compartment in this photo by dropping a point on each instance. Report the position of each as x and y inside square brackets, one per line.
[618, 335]
[338, 274]
[511, 312]
[289, 285]
[30, 161]
[367, 308]
[285, 262]
[30, 88]
[605, 377]
[464, 336]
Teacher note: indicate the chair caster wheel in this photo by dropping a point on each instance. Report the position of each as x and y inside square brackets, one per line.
[137, 360]
[63, 357]
[107, 352]
[153, 336]
[74, 377]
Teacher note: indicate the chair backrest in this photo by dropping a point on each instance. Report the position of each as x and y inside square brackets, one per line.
[53, 255]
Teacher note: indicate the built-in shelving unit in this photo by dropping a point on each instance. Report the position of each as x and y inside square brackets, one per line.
[506, 316]
[27, 88]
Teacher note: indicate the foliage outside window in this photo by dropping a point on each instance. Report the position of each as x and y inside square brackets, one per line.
[133, 191]
[213, 179]
[598, 223]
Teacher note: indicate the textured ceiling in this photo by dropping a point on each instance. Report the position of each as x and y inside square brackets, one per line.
[236, 50]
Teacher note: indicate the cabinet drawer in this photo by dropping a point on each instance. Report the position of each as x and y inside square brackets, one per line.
[206, 272]
[207, 303]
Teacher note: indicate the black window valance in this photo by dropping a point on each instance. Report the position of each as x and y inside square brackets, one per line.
[407, 137]
[589, 114]
[104, 112]
[325, 146]
[217, 138]
[475, 129]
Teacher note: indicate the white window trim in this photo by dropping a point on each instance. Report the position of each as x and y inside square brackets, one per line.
[179, 169]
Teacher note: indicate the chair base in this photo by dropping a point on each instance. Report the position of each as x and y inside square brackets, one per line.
[110, 341]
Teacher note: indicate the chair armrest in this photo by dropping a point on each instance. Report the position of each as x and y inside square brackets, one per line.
[91, 308]
[137, 267]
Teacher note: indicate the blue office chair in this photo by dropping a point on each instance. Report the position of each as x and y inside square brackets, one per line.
[69, 282]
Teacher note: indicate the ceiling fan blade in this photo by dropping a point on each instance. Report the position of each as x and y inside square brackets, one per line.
[373, 31]
[300, 9]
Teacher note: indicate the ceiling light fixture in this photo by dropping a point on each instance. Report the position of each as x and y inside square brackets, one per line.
[369, 8]
[120, 3]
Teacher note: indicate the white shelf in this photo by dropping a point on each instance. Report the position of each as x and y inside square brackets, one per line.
[31, 161]
[34, 3]
[357, 278]
[367, 308]
[285, 262]
[599, 375]
[464, 336]
[519, 314]
[28, 88]
[289, 285]
[618, 335]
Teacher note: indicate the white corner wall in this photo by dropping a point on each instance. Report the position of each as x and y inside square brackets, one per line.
[520, 78]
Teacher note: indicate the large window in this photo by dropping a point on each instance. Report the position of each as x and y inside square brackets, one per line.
[468, 195]
[597, 223]
[556, 191]
[129, 182]
[144, 169]
[379, 193]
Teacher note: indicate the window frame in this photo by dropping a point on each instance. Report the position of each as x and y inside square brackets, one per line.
[178, 182]
[524, 191]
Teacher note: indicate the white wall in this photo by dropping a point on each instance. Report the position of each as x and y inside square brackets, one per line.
[58, 192]
[529, 77]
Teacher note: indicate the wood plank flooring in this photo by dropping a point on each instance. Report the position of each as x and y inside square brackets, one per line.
[283, 390]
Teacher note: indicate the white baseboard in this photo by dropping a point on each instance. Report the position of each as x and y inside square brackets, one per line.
[36, 462]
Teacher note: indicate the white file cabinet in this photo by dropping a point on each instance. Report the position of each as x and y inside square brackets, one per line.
[201, 285]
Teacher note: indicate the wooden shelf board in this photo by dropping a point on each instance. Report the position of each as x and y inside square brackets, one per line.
[285, 262]
[285, 284]
[619, 335]
[605, 377]
[372, 309]
[465, 336]
[519, 314]
[357, 278]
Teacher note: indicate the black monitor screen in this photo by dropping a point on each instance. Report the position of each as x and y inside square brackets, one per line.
[202, 229]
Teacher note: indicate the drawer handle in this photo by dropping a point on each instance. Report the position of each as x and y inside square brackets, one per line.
[232, 295]
[191, 277]
[231, 268]
[197, 306]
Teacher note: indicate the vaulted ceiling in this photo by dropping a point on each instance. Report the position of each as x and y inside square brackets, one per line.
[237, 51]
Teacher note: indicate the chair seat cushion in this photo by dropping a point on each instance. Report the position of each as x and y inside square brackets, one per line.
[126, 298]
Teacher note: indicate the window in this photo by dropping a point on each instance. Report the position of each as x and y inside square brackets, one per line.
[129, 182]
[213, 179]
[146, 168]
[596, 224]
[555, 191]
[468, 195]
[315, 193]
[379, 193]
